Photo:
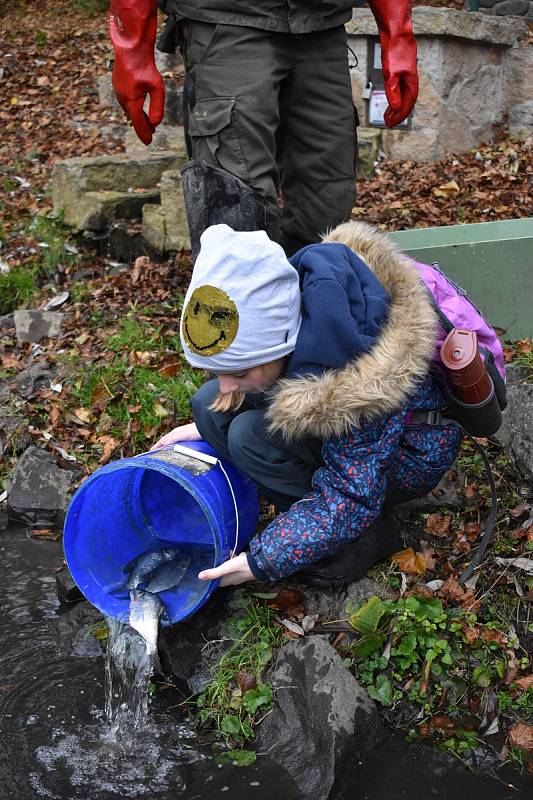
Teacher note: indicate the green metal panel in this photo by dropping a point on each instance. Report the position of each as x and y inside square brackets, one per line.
[492, 261]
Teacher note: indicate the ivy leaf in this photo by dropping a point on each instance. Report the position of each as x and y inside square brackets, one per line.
[230, 725]
[255, 698]
[381, 691]
[240, 758]
[366, 619]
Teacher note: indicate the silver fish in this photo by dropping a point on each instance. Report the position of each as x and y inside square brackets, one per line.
[169, 574]
[141, 566]
[145, 610]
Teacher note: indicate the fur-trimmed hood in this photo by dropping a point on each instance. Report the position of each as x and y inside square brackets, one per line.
[379, 381]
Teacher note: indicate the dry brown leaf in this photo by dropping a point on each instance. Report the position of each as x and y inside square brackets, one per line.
[246, 680]
[525, 683]
[438, 524]
[169, 370]
[110, 445]
[429, 554]
[409, 561]
[141, 263]
[521, 736]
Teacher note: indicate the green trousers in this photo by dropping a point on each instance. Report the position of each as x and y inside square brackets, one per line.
[276, 110]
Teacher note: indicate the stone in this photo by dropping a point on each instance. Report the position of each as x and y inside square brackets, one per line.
[38, 376]
[95, 210]
[165, 228]
[516, 432]
[14, 436]
[38, 491]
[165, 138]
[487, 3]
[7, 323]
[34, 325]
[369, 145]
[154, 228]
[187, 650]
[106, 93]
[323, 721]
[514, 8]
[428, 21]
[521, 120]
[71, 631]
[66, 588]
[74, 178]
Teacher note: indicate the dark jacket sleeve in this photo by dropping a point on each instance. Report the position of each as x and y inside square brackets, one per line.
[348, 493]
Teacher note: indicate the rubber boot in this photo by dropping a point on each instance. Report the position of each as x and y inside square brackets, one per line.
[355, 558]
[214, 196]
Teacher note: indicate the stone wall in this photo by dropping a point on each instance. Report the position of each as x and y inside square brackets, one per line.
[475, 74]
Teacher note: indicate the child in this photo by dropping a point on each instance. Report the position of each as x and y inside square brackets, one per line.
[322, 375]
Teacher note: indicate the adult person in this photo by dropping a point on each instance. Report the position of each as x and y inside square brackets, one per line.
[269, 104]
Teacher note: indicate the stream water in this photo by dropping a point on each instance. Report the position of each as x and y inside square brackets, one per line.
[57, 742]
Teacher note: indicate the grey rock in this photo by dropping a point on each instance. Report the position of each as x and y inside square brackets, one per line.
[88, 191]
[512, 8]
[165, 227]
[14, 437]
[516, 433]
[428, 21]
[521, 119]
[38, 376]
[185, 651]
[66, 588]
[71, 631]
[323, 723]
[487, 3]
[369, 144]
[34, 325]
[38, 493]
[7, 322]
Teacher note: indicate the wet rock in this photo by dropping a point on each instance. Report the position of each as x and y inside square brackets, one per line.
[66, 588]
[516, 433]
[185, 651]
[322, 723]
[511, 8]
[71, 630]
[34, 325]
[38, 493]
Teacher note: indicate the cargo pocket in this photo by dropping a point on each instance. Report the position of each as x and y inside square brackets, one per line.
[214, 135]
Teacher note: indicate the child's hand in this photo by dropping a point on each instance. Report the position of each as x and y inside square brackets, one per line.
[231, 572]
[183, 433]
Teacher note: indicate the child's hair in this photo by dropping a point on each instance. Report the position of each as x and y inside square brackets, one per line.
[231, 401]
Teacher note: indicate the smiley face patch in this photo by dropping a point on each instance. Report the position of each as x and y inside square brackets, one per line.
[210, 321]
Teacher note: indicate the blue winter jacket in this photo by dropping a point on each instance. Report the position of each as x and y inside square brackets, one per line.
[360, 367]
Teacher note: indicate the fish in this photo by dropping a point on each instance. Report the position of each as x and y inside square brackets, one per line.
[142, 565]
[168, 575]
[145, 610]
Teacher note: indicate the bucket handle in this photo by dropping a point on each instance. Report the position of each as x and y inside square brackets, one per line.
[214, 461]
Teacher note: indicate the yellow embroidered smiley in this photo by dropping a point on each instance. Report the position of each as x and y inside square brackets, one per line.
[210, 321]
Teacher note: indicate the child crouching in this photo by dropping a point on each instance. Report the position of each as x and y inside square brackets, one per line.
[320, 364]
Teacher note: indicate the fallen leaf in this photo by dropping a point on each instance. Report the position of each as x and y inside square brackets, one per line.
[409, 561]
[141, 263]
[521, 736]
[524, 683]
[438, 524]
[169, 370]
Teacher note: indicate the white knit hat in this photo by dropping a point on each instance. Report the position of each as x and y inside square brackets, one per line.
[242, 307]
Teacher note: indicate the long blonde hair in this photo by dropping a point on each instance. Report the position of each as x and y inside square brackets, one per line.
[231, 401]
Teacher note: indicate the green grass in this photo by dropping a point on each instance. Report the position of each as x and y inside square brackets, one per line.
[50, 232]
[223, 705]
[136, 397]
[16, 289]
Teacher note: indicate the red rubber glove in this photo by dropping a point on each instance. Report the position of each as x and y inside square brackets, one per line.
[133, 29]
[398, 57]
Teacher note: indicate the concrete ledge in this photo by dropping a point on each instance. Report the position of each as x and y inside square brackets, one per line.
[428, 21]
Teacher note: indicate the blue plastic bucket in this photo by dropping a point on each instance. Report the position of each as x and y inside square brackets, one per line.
[152, 501]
